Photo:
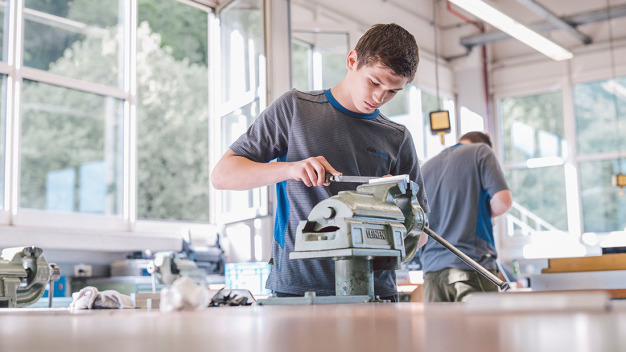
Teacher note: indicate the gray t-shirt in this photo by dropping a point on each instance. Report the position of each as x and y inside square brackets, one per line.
[299, 125]
[459, 183]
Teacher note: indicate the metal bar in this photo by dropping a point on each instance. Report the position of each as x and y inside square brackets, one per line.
[366, 179]
[555, 20]
[479, 268]
[352, 179]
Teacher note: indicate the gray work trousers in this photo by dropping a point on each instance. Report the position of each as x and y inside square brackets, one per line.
[455, 285]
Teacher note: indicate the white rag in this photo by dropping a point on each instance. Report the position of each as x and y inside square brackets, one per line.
[184, 294]
[111, 299]
[90, 298]
[84, 298]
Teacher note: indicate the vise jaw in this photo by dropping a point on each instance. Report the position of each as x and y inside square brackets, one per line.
[376, 227]
[24, 274]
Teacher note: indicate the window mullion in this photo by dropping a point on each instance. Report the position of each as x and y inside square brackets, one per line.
[572, 181]
[130, 122]
[14, 80]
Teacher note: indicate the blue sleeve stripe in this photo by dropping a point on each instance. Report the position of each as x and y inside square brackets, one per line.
[282, 213]
[484, 227]
[282, 209]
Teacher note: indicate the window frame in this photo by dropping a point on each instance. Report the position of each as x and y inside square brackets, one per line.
[591, 157]
[88, 231]
[219, 108]
[570, 160]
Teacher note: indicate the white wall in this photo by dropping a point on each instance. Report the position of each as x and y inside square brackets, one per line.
[355, 19]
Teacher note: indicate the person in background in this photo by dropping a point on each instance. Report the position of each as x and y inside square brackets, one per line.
[466, 188]
[337, 131]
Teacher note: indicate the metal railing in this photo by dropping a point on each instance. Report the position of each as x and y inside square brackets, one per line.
[527, 222]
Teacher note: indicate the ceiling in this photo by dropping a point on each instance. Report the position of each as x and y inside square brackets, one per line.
[417, 16]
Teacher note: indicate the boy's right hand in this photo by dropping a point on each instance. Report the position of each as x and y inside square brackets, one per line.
[312, 171]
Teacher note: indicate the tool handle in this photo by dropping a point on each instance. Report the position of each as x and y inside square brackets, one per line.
[481, 270]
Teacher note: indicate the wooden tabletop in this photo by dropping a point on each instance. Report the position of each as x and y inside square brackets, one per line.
[333, 327]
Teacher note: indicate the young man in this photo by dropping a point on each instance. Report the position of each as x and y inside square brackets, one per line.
[336, 131]
[467, 188]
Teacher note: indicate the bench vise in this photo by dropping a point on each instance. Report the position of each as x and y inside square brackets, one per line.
[24, 274]
[170, 266]
[376, 227]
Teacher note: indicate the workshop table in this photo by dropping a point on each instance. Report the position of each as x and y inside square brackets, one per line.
[333, 327]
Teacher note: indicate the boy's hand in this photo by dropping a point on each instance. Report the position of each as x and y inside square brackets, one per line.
[312, 171]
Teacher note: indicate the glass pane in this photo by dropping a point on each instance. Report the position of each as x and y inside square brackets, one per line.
[75, 38]
[598, 126]
[71, 150]
[542, 191]
[242, 48]
[398, 105]
[532, 126]
[432, 143]
[301, 66]
[603, 209]
[234, 125]
[329, 56]
[3, 115]
[333, 68]
[3, 12]
[172, 112]
[399, 110]
[243, 84]
[471, 121]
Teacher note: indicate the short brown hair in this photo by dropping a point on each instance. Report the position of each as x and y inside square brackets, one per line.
[390, 45]
[476, 137]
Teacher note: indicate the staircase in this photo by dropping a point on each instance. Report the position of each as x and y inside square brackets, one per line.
[526, 223]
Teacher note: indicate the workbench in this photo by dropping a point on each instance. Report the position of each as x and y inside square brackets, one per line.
[333, 327]
[606, 272]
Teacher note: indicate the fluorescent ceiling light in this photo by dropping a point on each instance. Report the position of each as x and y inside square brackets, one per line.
[497, 18]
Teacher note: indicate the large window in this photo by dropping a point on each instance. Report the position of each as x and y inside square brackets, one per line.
[67, 111]
[106, 113]
[532, 135]
[66, 37]
[241, 94]
[560, 167]
[172, 112]
[600, 111]
[71, 150]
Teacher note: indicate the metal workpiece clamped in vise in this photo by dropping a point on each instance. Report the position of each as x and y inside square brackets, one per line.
[24, 274]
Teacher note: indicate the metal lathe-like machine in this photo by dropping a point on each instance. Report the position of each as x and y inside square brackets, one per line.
[378, 226]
